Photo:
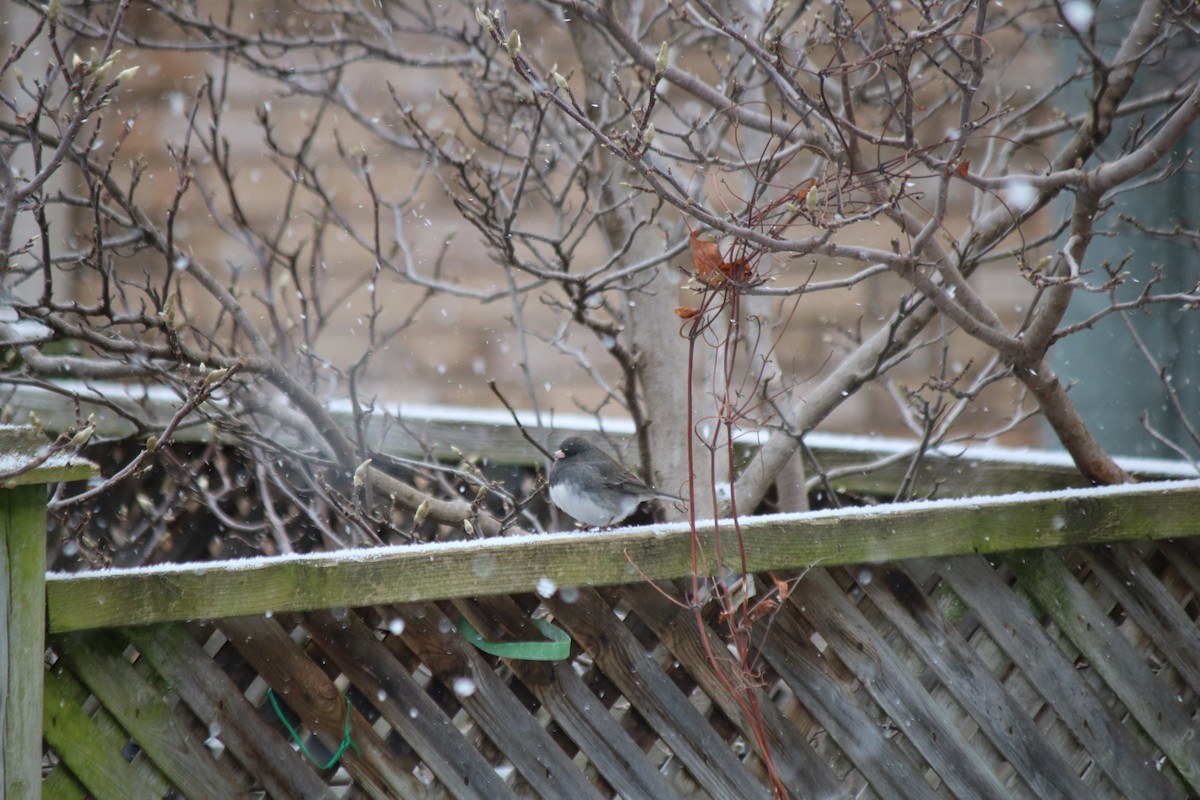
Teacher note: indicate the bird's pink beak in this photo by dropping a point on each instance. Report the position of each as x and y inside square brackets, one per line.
[559, 454]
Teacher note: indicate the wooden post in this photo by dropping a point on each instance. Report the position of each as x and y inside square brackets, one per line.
[23, 600]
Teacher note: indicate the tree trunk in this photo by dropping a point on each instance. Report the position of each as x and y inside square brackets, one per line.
[654, 339]
[1061, 414]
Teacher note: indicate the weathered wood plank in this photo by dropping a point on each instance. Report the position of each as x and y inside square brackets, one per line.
[93, 749]
[352, 646]
[912, 662]
[900, 695]
[1156, 612]
[26, 466]
[573, 706]
[1011, 625]
[958, 667]
[457, 569]
[1017, 684]
[97, 659]
[214, 698]
[1185, 558]
[60, 784]
[22, 638]
[642, 682]
[303, 686]
[798, 765]
[432, 636]
[889, 771]
[1109, 653]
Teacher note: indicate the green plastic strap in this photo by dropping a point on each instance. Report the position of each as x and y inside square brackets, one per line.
[346, 741]
[557, 649]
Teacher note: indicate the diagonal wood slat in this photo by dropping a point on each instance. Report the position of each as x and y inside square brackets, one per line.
[582, 717]
[93, 748]
[406, 707]
[60, 784]
[590, 621]
[957, 665]
[663, 609]
[304, 687]
[1157, 613]
[213, 697]
[432, 636]
[1010, 623]
[1185, 556]
[859, 645]
[790, 652]
[576, 708]
[97, 658]
[1043, 575]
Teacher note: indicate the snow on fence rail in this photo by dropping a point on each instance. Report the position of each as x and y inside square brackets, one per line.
[439, 571]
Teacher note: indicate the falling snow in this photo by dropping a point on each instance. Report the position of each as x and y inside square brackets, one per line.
[1079, 14]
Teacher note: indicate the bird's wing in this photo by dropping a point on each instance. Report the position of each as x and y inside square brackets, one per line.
[626, 481]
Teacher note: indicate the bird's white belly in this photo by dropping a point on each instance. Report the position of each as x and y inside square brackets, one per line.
[580, 507]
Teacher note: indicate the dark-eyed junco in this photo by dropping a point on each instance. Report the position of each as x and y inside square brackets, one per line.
[594, 489]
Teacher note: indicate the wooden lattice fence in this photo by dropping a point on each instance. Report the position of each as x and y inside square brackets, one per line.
[1042, 645]
[1066, 672]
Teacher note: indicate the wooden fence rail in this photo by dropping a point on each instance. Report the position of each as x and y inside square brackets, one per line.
[446, 570]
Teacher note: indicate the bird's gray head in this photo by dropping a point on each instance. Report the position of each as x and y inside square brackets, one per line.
[572, 446]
